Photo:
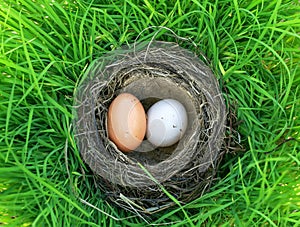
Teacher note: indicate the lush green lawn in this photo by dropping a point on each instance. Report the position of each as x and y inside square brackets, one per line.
[45, 47]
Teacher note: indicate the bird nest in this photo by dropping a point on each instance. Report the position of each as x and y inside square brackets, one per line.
[151, 179]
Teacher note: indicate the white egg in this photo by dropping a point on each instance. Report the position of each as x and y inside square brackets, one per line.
[167, 122]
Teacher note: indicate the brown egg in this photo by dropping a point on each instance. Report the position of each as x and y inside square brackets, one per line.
[126, 122]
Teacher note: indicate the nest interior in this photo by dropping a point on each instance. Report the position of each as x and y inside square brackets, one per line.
[151, 72]
[149, 88]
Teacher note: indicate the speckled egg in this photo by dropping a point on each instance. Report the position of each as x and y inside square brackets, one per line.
[167, 122]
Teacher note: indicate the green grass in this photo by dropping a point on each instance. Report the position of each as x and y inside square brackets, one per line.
[45, 48]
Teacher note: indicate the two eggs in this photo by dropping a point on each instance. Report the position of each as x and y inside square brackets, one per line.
[127, 123]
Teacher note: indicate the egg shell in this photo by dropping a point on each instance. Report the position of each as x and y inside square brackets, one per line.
[167, 122]
[126, 122]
